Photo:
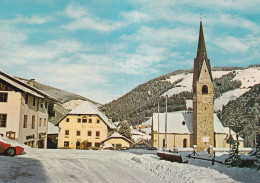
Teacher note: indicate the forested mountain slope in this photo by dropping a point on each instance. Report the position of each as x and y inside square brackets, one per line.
[141, 102]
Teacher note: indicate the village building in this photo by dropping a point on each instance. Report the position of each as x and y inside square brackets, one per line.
[85, 127]
[180, 132]
[118, 141]
[201, 127]
[136, 135]
[140, 143]
[24, 111]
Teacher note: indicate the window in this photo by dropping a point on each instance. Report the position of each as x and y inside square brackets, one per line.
[40, 124]
[98, 121]
[84, 120]
[25, 119]
[204, 89]
[90, 120]
[79, 120]
[184, 143]
[42, 102]
[97, 145]
[45, 121]
[89, 133]
[26, 98]
[3, 97]
[67, 132]
[66, 143]
[34, 100]
[3, 119]
[33, 122]
[46, 104]
[78, 133]
[67, 119]
[97, 134]
[89, 144]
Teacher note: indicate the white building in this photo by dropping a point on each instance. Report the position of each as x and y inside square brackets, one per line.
[24, 111]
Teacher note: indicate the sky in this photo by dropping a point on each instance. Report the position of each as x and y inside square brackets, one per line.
[102, 49]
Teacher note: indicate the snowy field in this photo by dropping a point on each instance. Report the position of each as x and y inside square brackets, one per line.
[41, 165]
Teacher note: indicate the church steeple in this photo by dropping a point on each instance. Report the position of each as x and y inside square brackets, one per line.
[201, 57]
[201, 50]
[203, 98]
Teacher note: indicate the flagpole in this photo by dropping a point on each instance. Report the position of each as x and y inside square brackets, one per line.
[166, 124]
[158, 125]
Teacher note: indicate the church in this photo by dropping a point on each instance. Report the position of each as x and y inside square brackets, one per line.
[201, 127]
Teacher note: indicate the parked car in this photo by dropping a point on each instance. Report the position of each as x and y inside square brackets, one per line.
[10, 147]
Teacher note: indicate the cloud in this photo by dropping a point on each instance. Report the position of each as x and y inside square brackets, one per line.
[31, 20]
[83, 20]
[232, 45]
[135, 16]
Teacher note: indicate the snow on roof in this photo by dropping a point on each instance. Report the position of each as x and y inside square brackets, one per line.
[16, 83]
[117, 135]
[181, 122]
[72, 104]
[52, 129]
[148, 122]
[136, 132]
[219, 128]
[177, 122]
[88, 108]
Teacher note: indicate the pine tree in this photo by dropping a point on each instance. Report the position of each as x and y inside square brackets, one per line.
[125, 130]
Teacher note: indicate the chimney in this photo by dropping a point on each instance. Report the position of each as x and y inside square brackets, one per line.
[32, 82]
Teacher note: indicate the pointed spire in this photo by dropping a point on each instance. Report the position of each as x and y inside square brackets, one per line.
[201, 51]
[201, 57]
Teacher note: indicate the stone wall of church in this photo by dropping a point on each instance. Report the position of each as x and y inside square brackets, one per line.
[203, 111]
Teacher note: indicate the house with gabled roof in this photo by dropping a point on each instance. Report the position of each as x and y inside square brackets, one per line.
[24, 111]
[85, 127]
[118, 141]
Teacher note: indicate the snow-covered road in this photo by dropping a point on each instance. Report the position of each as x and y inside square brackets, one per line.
[41, 165]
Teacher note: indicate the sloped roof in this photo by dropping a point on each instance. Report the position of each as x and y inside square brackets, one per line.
[136, 132]
[88, 108]
[117, 135]
[201, 57]
[18, 84]
[182, 122]
[174, 122]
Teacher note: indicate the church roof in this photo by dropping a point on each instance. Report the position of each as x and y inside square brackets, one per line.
[181, 122]
[201, 56]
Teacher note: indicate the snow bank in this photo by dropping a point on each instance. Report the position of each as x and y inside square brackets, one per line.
[176, 172]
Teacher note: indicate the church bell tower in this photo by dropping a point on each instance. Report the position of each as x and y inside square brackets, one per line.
[203, 97]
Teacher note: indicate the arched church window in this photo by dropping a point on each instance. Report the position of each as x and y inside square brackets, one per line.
[204, 89]
[184, 143]
[163, 142]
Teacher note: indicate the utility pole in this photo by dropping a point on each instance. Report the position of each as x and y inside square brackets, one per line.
[158, 125]
[165, 145]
